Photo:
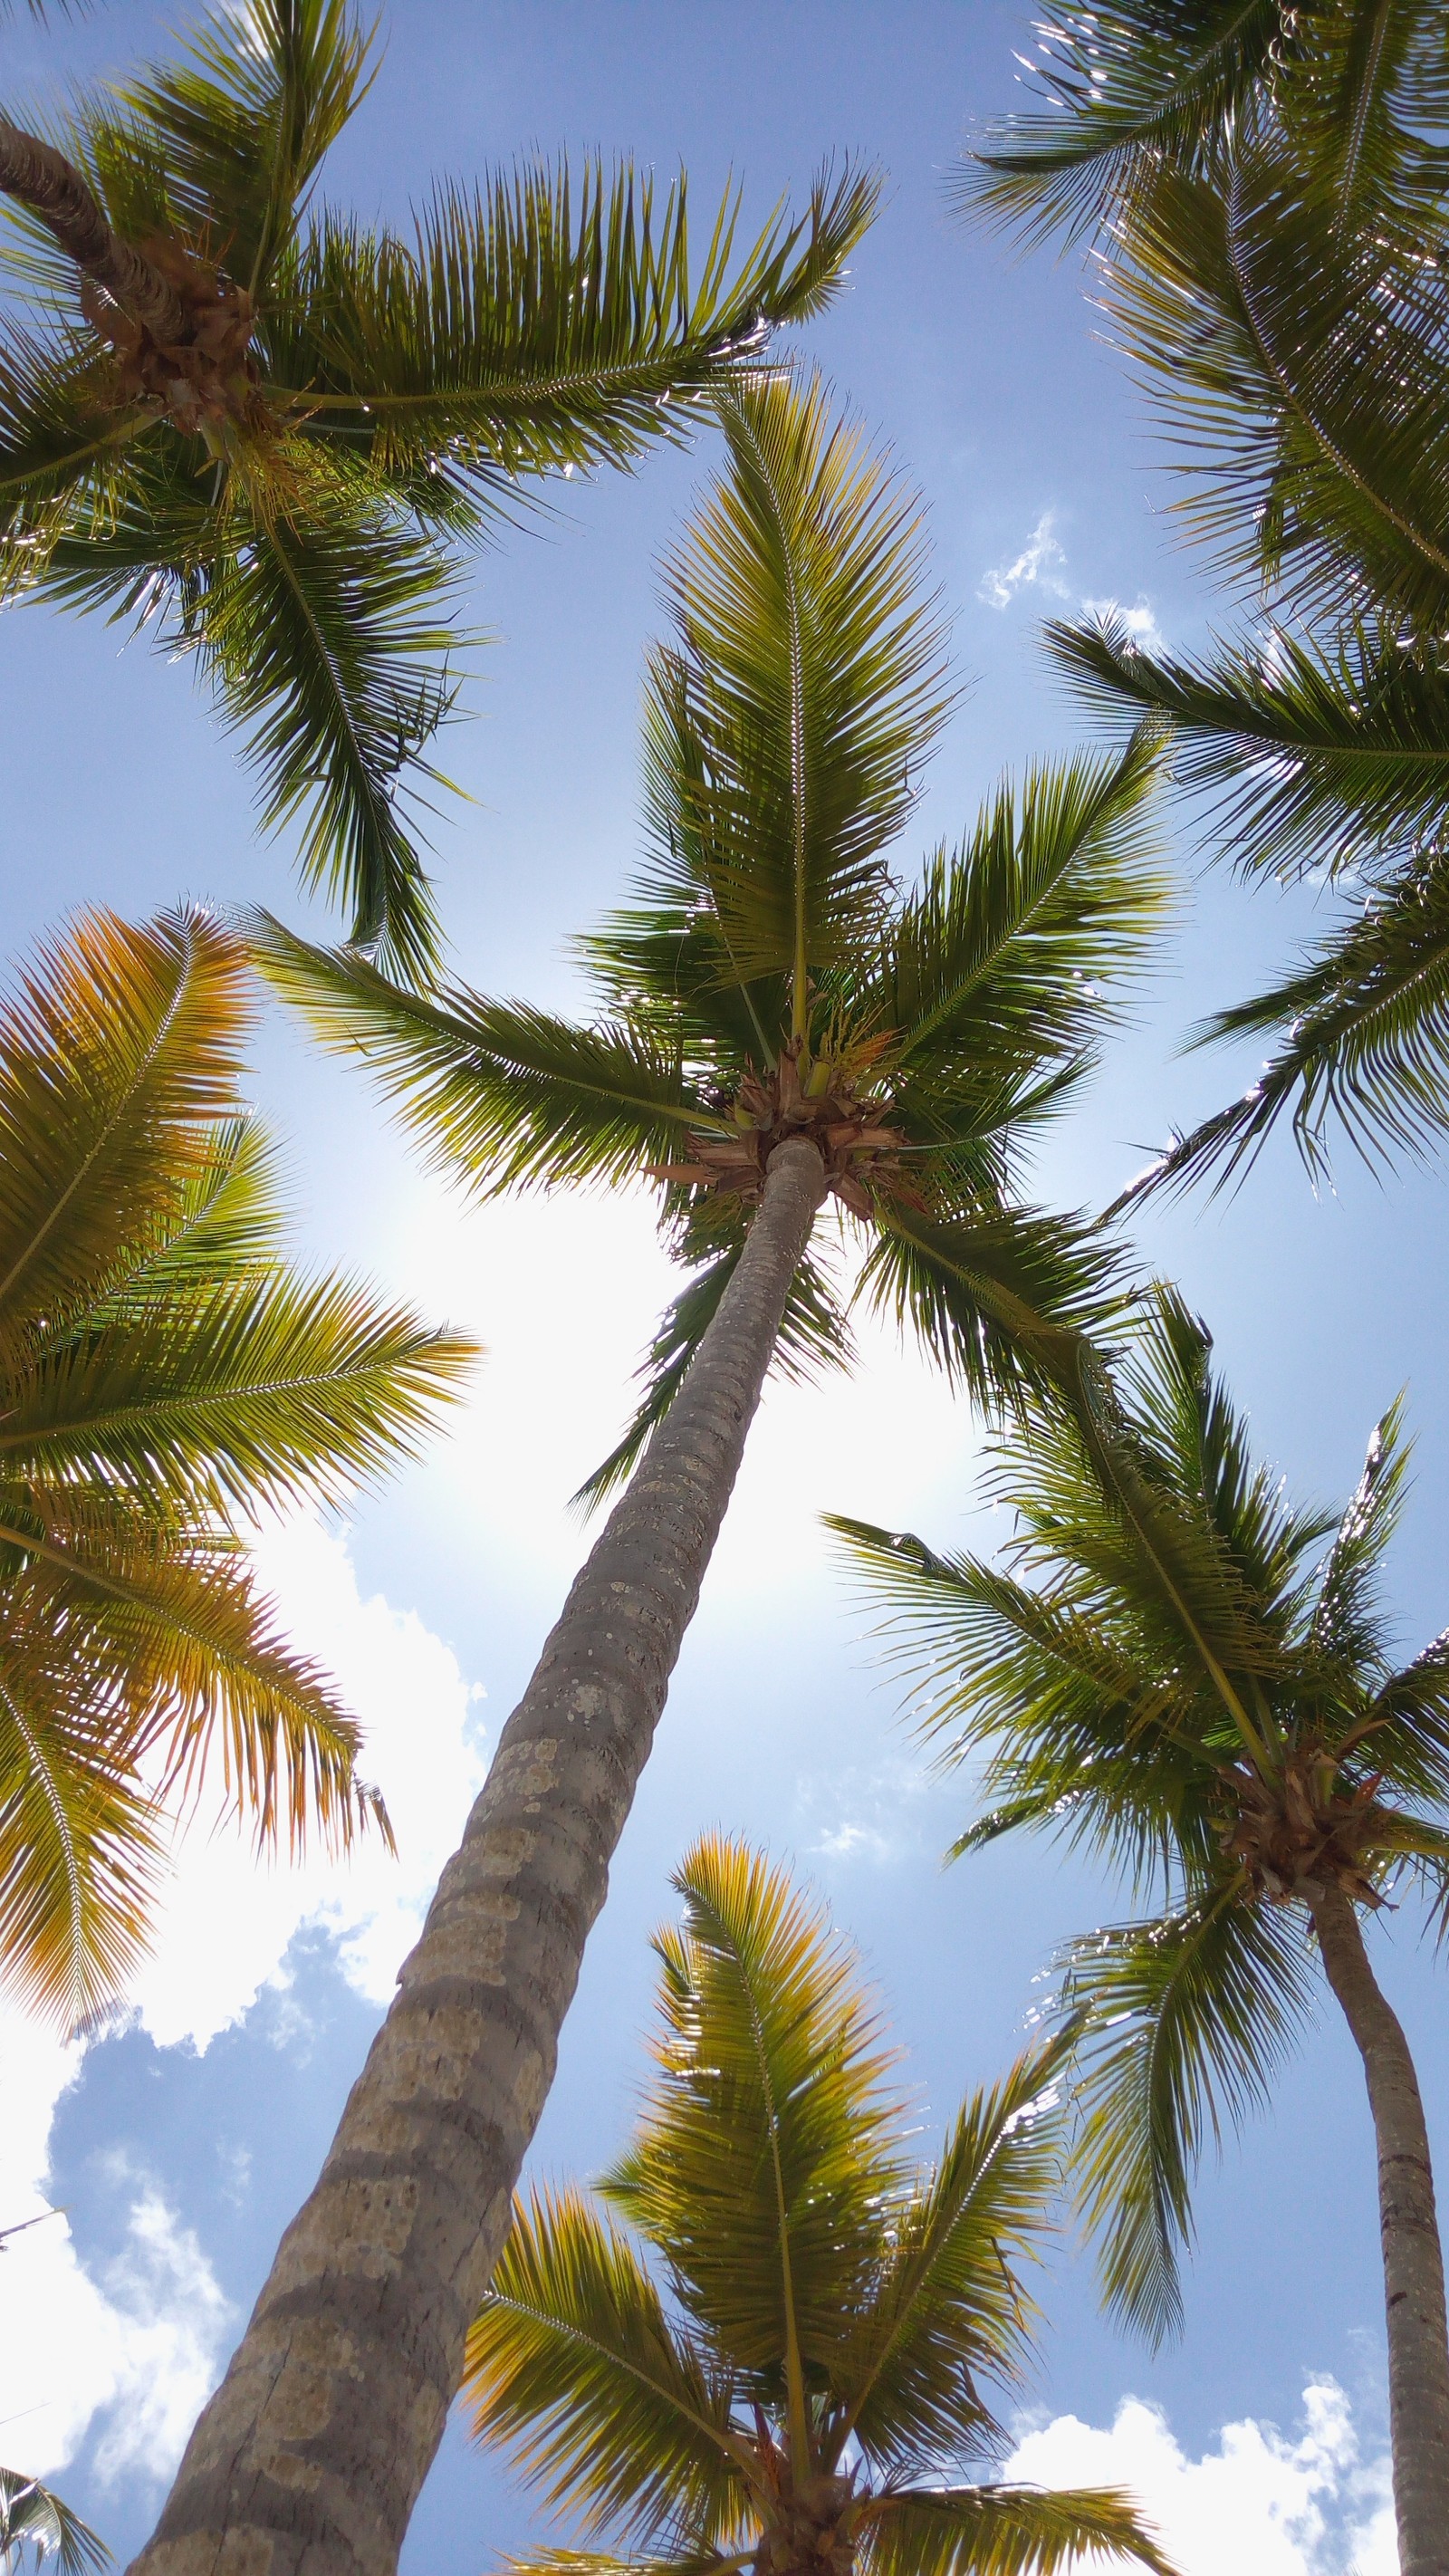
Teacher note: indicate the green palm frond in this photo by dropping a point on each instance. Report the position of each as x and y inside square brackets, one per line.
[239, 128]
[543, 324]
[1311, 442]
[505, 1095]
[1188, 2020]
[814, 1337]
[34, 2515]
[1363, 1031]
[1348, 1611]
[1004, 1300]
[573, 2363]
[1010, 933]
[1310, 756]
[1006, 2531]
[331, 660]
[57, 443]
[1045, 1693]
[759, 2166]
[788, 727]
[220, 1225]
[1125, 88]
[1134, 87]
[948, 2302]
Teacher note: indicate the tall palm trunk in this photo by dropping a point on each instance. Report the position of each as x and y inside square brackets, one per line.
[315, 2445]
[1413, 2256]
[38, 176]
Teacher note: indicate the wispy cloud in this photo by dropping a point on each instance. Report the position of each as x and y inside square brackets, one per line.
[1141, 626]
[1257, 2501]
[1041, 566]
[1036, 567]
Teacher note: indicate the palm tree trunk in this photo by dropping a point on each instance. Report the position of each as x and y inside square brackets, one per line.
[1413, 2256]
[39, 177]
[319, 2438]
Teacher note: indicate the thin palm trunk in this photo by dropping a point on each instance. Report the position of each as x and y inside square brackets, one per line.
[37, 176]
[1413, 2256]
[316, 2444]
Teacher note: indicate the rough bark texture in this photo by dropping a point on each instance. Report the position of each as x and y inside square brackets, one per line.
[312, 2451]
[41, 178]
[1413, 2257]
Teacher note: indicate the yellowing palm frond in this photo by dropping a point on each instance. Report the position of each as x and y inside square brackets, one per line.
[166, 1377]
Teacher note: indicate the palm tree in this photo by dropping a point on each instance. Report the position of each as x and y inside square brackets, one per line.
[1269, 204]
[777, 1026]
[164, 1376]
[777, 2360]
[1186, 1672]
[269, 429]
[34, 2517]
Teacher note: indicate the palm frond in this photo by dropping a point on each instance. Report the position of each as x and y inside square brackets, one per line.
[329, 657]
[64, 447]
[1007, 2531]
[1310, 755]
[119, 1054]
[1017, 937]
[132, 1679]
[949, 2301]
[787, 728]
[605, 2406]
[508, 1096]
[231, 1395]
[1004, 1300]
[769, 2143]
[1187, 2020]
[1363, 1029]
[542, 324]
[82, 1846]
[1299, 370]
[1056, 1701]
[1348, 1616]
[239, 125]
[35, 2514]
[1124, 87]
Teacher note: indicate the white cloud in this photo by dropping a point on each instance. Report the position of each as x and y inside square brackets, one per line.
[138, 2346]
[127, 2352]
[1034, 568]
[1140, 623]
[227, 1923]
[1257, 2503]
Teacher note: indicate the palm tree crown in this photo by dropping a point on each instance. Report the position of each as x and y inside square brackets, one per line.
[166, 1376]
[1192, 1675]
[271, 427]
[773, 981]
[764, 2341]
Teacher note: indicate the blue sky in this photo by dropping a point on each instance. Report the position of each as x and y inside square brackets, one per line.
[180, 2145]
